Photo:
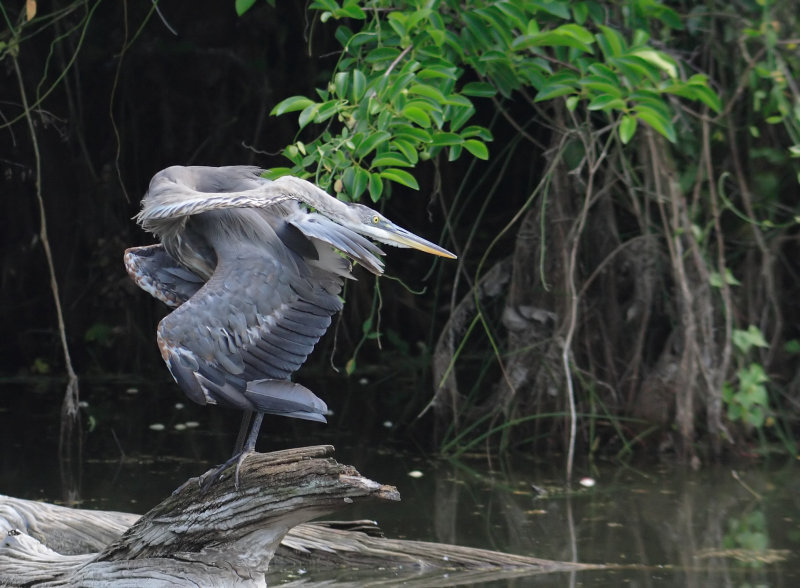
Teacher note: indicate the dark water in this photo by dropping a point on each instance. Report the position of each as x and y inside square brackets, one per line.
[662, 525]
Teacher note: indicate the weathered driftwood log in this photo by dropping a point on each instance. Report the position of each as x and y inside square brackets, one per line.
[214, 538]
[229, 536]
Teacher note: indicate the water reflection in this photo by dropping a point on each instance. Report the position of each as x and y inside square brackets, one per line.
[662, 525]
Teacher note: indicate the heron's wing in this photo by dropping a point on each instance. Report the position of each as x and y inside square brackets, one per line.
[158, 274]
[253, 323]
[175, 192]
[348, 242]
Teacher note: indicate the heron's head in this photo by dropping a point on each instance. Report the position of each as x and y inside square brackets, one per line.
[370, 223]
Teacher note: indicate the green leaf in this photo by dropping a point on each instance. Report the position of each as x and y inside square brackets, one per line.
[657, 121]
[277, 172]
[580, 12]
[327, 110]
[636, 69]
[551, 91]
[290, 105]
[438, 37]
[601, 85]
[243, 6]
[458, 100]
[415, 134]
[627, 127]
[568, 35]
[308, 114]
[697, 92]
[400, 176]
[389, 159]
[716, 280]
[513, 13]
[459, 117]
[606, 102]
[658, 58]
[446, 139]
[359, 85]
[375, 187]
[429, 92]
[354, 180]
[407, 148]
[439, 72]
[559, 9]
[745, 340]
[479, 89]
[611, 42]
[341, 82]
[477, 131]
[388, 54]
[417, 115]
[351, 9]
[755, 417]
[477, 148]
[371, 142]
[572, 103]
[669, 17]
[399, 84]
[360, 181]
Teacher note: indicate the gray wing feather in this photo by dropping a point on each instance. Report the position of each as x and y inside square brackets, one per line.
[287, 399]
[158, 274]
[254, 321]
[179, 191]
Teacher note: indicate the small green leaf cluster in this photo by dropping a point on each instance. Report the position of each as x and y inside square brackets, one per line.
[747, 398]
[770, 78]
[394, 99]
[749, 535]
[610, 74]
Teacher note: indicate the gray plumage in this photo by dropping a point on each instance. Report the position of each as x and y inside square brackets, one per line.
[254, 269]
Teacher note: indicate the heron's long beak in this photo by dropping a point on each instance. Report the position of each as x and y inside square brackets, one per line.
[391, 234]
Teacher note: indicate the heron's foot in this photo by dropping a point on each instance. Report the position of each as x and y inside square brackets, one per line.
[197, 480]
[242, 456]
[212, 476]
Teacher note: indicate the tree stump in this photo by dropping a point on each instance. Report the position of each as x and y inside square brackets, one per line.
[226, 535]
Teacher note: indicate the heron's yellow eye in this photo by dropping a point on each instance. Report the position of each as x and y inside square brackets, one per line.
[376, 219]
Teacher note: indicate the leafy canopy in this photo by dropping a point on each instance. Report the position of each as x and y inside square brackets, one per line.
[409, 73]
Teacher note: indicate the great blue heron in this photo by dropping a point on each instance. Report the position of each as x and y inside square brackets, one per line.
[254, 271]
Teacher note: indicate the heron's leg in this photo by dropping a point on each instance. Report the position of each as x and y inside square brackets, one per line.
[244, 446]
[243, 429]
[250, 444]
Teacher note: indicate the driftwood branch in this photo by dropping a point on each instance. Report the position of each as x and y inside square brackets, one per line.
[214, 538]
[226, 536]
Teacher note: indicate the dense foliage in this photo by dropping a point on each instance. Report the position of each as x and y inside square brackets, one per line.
[620, 186]
[404, 91]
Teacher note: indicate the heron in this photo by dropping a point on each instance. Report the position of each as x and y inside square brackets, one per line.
[253, 270]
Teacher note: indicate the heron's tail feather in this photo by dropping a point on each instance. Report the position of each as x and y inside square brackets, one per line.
[285, 398]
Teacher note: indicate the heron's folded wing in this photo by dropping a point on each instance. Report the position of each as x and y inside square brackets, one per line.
[158, 274]
[257, 318]
[179, 191]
